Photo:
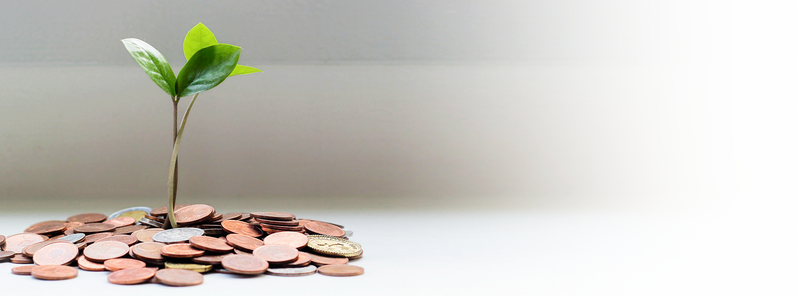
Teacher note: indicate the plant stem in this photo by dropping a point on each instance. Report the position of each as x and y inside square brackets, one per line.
[173, 168]
[173, 196]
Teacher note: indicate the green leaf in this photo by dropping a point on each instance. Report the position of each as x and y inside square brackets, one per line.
[206, 69]
[153, 63]
[242, 69]
[198, 38]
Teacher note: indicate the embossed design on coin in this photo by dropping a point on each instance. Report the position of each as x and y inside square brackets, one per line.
[292, 239]
[30, 250]
[47, 227]
[341, 270]
[54, 272]
[244, 242]
[56, 254]
[235, 226]
[334, 246]
[16, 243]
[293, 271]
[177, 235]
[102, 251]
[244, 264]
[276, 254]
[179, 277]
[193, 214]
[131, 276]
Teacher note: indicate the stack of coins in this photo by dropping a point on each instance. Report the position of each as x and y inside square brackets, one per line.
[134, 247]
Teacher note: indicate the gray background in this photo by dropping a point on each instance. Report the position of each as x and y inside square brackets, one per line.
[407, 105]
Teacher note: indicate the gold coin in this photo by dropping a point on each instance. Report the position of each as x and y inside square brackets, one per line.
[201, 268]
[335, 246]
[134, 214]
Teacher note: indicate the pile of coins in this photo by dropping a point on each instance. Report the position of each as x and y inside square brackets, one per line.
[134, 247]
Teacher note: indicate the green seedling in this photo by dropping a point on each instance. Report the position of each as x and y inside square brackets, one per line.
[208, 64]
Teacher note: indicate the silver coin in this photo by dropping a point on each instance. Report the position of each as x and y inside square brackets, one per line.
[347, 232]
[177, 235]
[151, 223]
[120, 212]
[73, 238]
[293, 271]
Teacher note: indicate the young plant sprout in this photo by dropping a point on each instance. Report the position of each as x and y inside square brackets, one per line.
[208, 64]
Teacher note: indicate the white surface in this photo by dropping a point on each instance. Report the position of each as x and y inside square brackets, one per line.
[531, 253]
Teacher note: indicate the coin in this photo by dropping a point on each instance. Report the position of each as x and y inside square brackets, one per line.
[162, 211]
[4, 255]
[123, 238]
[292, 271]
[273, 215]
[267, 228]
[54, 272]
[87, 265]
[31, 249]
[324, 228]
[91, 238]
[2, 240]
[276, 254]
[244, 264]
[231, 216]
[88, 218]
[122, 263]
[20, 259]
[146, 235]
[130, 229]
[244, 242]
[177, 235]
[210, 244]
[73, 238]
[148, 250]
[131, 276]
[47, 227]
[210, 259]
[151, 223]
[347, 232]
[334, 246]
[132, 212]
[201, 268]
[56, 254]
[193, 214]
[279, 222]
[179, 277]
[22, 270]
[292, 239]
[341, 270]
[102, 251]
[121, 221]
[90, 228]
[235, 226]
[182, 250]
[16, 243]
[320, 260]
[303, 259]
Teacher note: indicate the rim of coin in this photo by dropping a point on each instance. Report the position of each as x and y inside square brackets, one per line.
[341, 270]
[201, 268]
[177, 235]
[324, 228]
[148, 250]
[193, 214]
[240, 241]
[56, 254]
[244, 264]
[20, 259]
[122, 263]
[181, 250]
[146, 210]
[102, 251]
[210, 259]
[6, 255]
[273, 215]
[54, 272]
[22, 270]
[31, 249]
[241, 227]
[277, 254]
[87, 265]
[345, 248]
[123, 238]
[178, 277]
[320, 260]
[292, 271]
[47, 227]
[90, 228]
[88, 218]
[131, 276]
[210, 244]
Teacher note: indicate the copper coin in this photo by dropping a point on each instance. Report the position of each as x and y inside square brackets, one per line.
[146, 235]
[217, 217]
[235, 226]
[179, 277]
[267, 227]
[320, 260]
[271, 231]
[54, 272]
[131, 276]
[129, 229]
[102, 251]
[245, 217]
[19, 259]
[16, 243]
[324, 228]
[232, 216]
[210, 259]
[87, 265]
[121, 221]
[210, 244]
[238, 251]
[29, 251]
[241, 241]
[276, 254]
[181, 250]
[71, 225]
[193, 214]
[23, 270]
[56, 254]
[2, 240]
[303, 259]
[244, 264]
[149, 251]
[273, 215]
[279, 222]
[154, 218]
[6, 255]
[91, 238]
[341, 270]
[47, 227]
[88, 218]
[89, 228]
[161, 211]
[122, 263]
[123, 238]
[292, 239]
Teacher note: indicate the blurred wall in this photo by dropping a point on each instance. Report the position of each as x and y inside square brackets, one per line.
[398, 104]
